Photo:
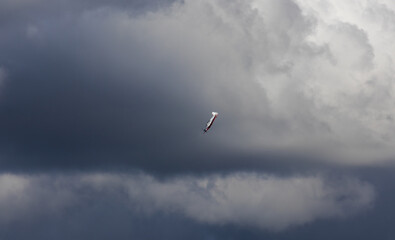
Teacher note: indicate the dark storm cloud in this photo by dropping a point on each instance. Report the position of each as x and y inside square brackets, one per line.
[62, 103]
[80, 94]
[110, 88]
[126, 86]
[57, 107]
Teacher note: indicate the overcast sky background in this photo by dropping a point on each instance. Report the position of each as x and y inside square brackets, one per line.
[102, 105]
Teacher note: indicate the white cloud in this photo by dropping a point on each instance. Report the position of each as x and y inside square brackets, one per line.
[261, 201]
[310, 76]
[251, 200]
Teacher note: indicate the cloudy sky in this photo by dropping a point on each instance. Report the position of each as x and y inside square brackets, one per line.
[102, 105]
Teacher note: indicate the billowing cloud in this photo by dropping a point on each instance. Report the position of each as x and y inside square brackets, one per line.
[325, 81]
[251, 200]
[244, 199]
[288, 77]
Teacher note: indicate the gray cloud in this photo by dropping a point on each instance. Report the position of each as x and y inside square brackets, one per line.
[283, 78]
[125, 85]
[251, 200]
[244, 199]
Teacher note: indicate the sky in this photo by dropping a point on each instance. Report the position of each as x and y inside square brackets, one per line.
[102, 106]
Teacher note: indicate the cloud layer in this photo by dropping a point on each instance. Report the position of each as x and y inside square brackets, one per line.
[254, 200]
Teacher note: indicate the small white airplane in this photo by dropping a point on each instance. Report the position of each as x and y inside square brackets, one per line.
[210, 122]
